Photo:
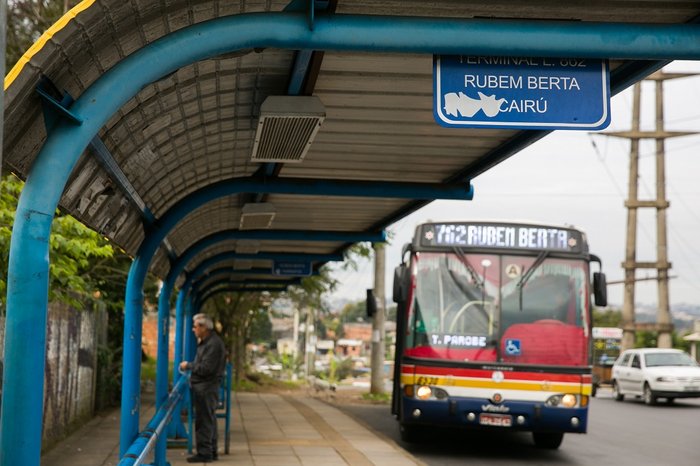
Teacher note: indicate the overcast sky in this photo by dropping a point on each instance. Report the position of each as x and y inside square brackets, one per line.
[581, 179]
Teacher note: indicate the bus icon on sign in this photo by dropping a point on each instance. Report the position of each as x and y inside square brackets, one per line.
[512, 347]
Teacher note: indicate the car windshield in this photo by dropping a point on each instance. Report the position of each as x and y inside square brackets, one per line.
[668, 359]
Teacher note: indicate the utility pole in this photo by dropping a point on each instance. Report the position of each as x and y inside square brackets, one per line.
[309, 343]
[378, 334]
[295, 337]
[664, 323]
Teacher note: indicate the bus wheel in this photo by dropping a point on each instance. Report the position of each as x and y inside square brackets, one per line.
[548, 440]
[410, 433]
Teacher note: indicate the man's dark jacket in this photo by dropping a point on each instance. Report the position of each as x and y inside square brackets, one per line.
[210, 362]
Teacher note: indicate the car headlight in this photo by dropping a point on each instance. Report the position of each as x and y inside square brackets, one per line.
[665, 378]
[564, 400]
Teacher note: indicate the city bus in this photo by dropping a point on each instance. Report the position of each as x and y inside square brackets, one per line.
[494, 329]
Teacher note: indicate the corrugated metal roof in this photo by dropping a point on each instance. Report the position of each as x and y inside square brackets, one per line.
[197, 125]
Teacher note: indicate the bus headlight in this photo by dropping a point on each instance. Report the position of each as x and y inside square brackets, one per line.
[563, 400]
[424, 392]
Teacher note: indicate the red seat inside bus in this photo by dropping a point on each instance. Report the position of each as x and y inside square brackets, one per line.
[548, 342]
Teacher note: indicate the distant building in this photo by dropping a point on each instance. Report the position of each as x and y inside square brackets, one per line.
[282, 327]
[349, 347]
[286, 346]
[324, 348]
[359, 331]
[694, 339]
[149, 337]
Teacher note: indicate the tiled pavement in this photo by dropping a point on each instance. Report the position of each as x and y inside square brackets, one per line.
[266, 430]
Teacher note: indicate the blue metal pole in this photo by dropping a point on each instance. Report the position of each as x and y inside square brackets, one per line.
[179, 333]
[176, 429]
[25, 340]
[229, 390]
[162, 364]
[131, 367]
[190, 341]
[189, 352]
[20, 427]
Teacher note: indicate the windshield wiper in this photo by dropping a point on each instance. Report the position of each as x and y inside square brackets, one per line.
[523, 280]
[480, 282]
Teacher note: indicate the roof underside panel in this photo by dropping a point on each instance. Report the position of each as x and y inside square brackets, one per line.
[198, 125]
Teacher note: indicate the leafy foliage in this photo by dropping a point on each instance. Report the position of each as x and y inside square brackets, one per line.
[642, 338]
[607, 318]
[27, 20]
[338, 369]
[354, 312]
[74, 252]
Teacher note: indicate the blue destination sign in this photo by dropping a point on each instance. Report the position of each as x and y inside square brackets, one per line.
[521, 93]
[291, 268]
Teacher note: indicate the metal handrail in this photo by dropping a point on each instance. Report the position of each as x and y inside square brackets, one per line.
[144, 443]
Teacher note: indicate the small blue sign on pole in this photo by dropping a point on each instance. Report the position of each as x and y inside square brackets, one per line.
[291, 268]
[521, 92]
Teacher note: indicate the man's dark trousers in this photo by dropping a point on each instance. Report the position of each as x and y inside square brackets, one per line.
[206, 397]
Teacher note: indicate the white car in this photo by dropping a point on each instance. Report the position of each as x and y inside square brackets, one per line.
[654, 373]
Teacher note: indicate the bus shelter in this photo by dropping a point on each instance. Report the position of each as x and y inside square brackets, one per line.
[208, 134]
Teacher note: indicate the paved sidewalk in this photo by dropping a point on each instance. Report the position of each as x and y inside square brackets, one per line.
[94, 444]
[266, 430]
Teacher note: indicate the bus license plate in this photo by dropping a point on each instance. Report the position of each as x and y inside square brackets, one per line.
[495, 420]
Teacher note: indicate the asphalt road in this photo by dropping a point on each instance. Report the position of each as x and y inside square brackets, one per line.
[625, 433]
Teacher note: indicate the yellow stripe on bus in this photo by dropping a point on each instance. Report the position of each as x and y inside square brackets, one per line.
[45, 37]
[504, 385]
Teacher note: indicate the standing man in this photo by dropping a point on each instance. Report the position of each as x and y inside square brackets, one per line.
[207, 373]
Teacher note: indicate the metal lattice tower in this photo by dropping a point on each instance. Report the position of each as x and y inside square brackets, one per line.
[664, 323]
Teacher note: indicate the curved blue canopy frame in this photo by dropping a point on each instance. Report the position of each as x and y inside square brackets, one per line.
[22, 404]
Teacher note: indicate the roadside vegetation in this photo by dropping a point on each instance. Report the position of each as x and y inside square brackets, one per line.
[643, 338]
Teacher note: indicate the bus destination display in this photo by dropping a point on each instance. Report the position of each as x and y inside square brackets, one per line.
[505, 236]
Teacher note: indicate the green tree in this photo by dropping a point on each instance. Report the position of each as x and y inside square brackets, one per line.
[391, 311]
[27, 20]
[237, 314]
[354, 312]
[261, 326]
[86, 272]
[607, 318]
[74, 251]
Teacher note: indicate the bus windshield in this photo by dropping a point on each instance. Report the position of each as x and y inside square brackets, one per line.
[497, 307]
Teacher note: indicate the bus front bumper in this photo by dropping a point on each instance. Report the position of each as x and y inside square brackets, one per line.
[480, 413]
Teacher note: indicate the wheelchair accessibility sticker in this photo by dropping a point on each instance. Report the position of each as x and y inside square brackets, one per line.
[512, 347]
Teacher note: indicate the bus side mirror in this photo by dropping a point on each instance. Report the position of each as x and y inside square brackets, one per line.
[600, 289]
[400, 291]
[371, 304]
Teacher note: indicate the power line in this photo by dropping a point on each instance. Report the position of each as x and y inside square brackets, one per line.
[612, 178]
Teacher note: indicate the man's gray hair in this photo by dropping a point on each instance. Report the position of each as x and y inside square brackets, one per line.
[204, 319]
